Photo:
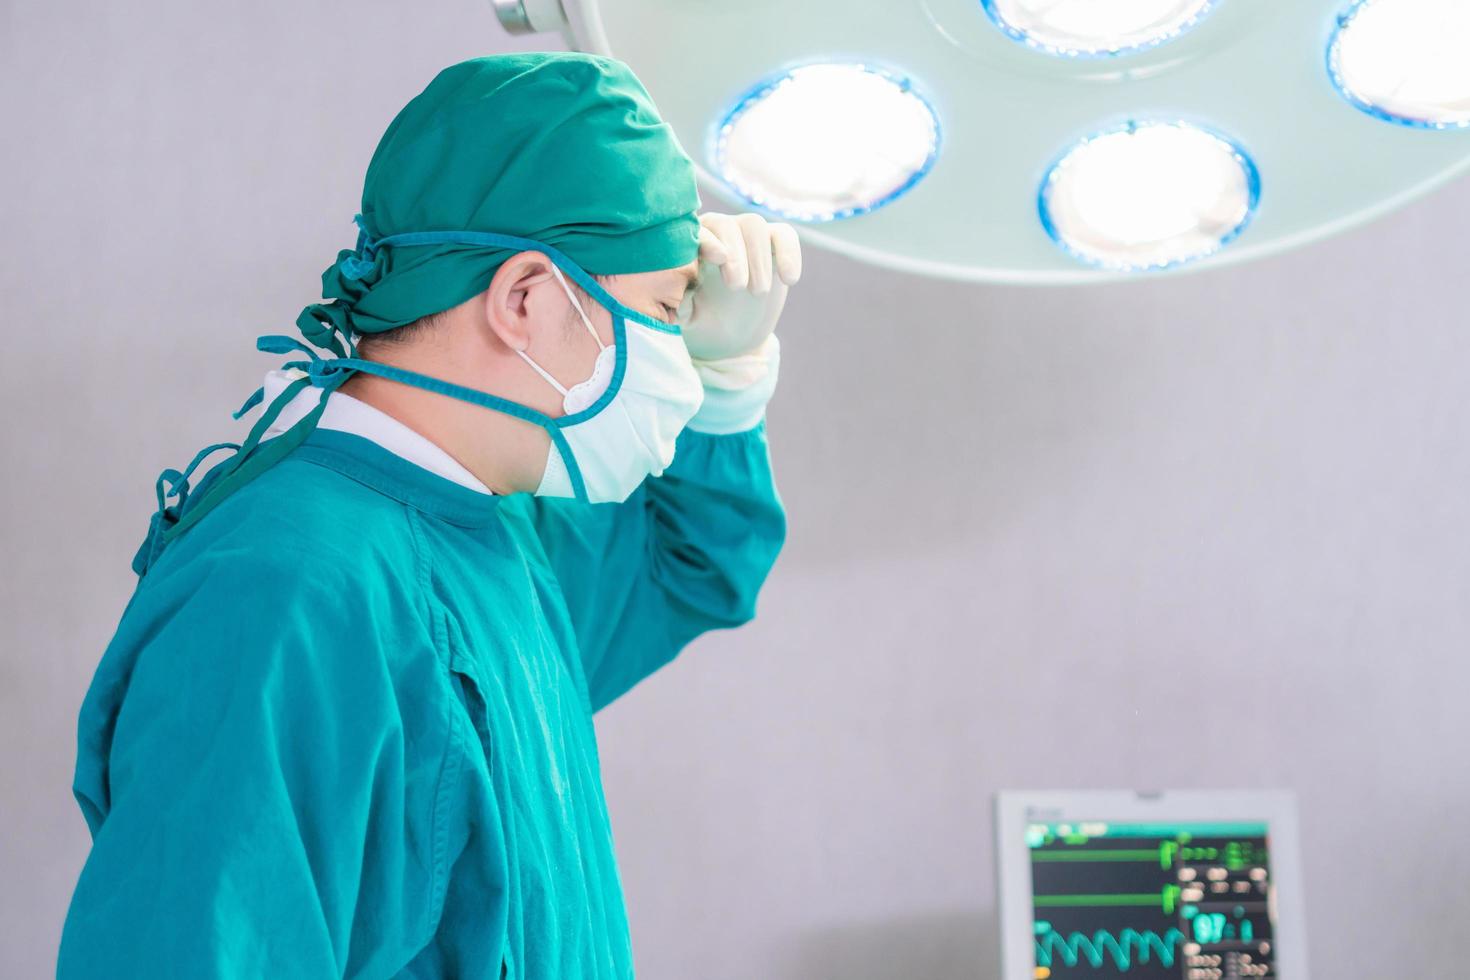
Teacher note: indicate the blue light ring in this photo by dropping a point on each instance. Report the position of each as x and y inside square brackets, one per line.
[1237, 150]
[719, 133]
[1359, 102]
[1021, 37]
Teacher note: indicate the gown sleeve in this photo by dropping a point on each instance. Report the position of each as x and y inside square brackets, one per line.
[686, 553]
[254, 808]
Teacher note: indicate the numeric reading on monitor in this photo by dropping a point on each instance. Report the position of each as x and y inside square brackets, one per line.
[1189, 901]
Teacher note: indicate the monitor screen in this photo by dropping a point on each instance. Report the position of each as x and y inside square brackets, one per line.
[1183, 901]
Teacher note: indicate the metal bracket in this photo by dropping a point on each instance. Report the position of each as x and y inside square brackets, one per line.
[530, 16]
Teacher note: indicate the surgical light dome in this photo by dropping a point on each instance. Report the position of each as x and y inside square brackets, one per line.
[1048, 141]
[1149, 196]
[824, 142]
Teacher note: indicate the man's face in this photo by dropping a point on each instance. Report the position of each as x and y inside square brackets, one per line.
[660, 295]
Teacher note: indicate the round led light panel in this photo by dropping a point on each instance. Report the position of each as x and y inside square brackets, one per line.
[1406, 61]
[1090, 28]
[826, 141]
[1149, 196]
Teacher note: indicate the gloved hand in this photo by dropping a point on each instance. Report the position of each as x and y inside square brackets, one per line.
[746, 267]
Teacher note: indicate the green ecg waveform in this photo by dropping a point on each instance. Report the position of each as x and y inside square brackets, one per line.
[1236, 854]
[1167, 898]
[1126, 948]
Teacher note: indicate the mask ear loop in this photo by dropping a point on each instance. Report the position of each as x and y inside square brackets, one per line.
[586, 321]
[543, 372]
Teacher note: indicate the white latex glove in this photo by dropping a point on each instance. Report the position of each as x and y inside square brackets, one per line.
[747, 265]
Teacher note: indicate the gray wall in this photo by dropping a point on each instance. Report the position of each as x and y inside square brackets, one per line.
[1028, 526]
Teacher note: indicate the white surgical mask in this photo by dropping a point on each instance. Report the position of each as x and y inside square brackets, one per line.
[620, 430]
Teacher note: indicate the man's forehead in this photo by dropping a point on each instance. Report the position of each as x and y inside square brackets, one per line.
[681, 277]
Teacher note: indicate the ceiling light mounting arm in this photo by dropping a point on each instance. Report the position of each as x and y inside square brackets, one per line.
[531, 16]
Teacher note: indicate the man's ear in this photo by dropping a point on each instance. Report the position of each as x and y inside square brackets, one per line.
[511, 301]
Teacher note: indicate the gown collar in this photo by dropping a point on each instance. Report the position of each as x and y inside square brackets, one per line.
[368, 463]
[375, 449]
[347, 414]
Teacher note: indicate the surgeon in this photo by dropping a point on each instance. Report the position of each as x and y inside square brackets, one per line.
[345, 728]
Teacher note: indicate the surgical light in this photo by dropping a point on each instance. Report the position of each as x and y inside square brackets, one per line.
[1406, 61]
[826, 141]
[915, 136]
[1149, 196]
[1090, 28]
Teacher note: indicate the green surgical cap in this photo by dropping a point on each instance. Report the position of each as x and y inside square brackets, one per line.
[560, 147]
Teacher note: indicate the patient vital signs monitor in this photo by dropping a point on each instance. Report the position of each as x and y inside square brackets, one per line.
[1165, 886]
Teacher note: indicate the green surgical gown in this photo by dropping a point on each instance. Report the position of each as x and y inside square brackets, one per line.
[345, 726]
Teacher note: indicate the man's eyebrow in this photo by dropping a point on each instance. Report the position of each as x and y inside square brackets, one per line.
[691, 278]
